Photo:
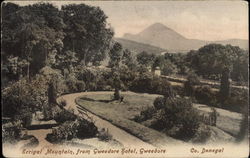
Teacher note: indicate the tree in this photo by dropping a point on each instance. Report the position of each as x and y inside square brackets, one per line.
[128, 59]
[158, 62]
[168, 68]
[115, 58]
[218, 59]
[66, 60]
[115, 55]
[145, 58]
[87, 32]
[31, 33]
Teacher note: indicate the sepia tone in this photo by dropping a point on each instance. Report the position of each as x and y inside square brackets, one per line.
[125, 78]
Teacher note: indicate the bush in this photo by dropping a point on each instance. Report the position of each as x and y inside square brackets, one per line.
[202, 134]
[192, 80]
[62, 103]
[64, 115]
[148, 83]
[159, 103]
[11, 132]
[142, 83]
[177, 113]
[24, 95]
[80, 128]
[80, 85]
[145, 114]
[30, 141]
[237, 102]
[148, 113]
[85, 129]
[205, 95]
[169, 68]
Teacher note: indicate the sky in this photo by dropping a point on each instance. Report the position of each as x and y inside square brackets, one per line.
[204, 20]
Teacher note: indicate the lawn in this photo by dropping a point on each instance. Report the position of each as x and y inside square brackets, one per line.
[122, 113]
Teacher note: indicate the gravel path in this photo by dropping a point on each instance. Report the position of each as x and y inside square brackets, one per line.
[227, 121]
[126, 139]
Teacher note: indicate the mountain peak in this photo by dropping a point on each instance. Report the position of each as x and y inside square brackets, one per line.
[158, 26]
[160, 30]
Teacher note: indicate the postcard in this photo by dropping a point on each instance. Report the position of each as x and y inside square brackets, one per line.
[125, 78]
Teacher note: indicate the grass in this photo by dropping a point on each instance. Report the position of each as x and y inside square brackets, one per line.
[121, 114]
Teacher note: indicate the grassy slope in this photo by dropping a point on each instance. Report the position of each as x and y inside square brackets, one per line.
[139, 47]
[120, 114]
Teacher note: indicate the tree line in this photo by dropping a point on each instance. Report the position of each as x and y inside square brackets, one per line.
[41, 35]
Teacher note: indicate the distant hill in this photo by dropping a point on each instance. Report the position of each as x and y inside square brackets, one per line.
[139, 47]
[161, 36]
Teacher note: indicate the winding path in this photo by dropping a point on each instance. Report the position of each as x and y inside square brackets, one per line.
[227, 121]
[126, 139]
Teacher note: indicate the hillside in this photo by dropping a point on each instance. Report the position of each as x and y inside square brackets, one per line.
[161, 36]
[139, 47]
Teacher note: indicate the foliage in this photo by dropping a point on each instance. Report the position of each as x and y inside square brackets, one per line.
[205, 95]
[30, 141]
[87, 32]
[146, 82]
[80, 128]
[238, 101]
[175, 116]
[115, 55]
[159, 103]
[24, 95]
[129, 59]
[127, 76]
[25, 116]
[145, 114]
[189, 85]
[145, 58]
[41, 35]
[73, 85]
[168, 68]
[202, 134]
[31, 33]
[63, 115]
[11, 132]
[62, 103]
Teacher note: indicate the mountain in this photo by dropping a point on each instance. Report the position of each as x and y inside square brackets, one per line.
[161, 36]
[139, 47]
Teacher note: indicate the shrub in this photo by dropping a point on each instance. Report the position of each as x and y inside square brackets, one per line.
[62, 103]
[169, 68]
[25, 116]
[202, 134]
[80, 85]
[159, 103]
[148, 113]
[192, 80]
[142, 83]
[145, 114]
[11, 132]
[177, 113]
[64, 115]
[80, 128]
[85, 129]
[30, 141]
[24, 95]
[237, 102]
[148, 83]
[71, 85]
[205, 95]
